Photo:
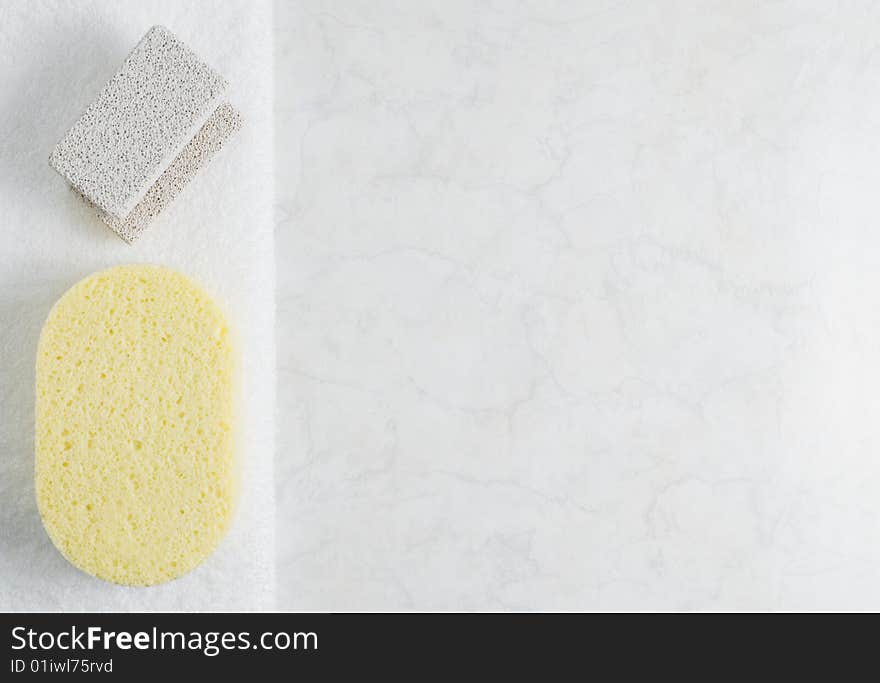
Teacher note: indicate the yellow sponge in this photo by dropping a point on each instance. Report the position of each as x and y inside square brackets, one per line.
[135, 462]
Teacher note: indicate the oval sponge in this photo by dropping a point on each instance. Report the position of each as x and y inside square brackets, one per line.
[135, 466]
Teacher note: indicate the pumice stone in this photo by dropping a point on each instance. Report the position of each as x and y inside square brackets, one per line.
[150, 129]
[135, 450]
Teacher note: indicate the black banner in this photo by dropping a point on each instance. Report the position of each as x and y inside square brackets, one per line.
[546, 646]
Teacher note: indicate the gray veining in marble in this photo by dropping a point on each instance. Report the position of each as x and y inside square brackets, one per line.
[578, 305]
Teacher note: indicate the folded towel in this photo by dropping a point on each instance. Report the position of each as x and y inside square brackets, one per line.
[218, 230]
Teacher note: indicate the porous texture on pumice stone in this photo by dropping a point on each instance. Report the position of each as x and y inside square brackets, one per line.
[135, 454]
[210, 139]
[138, 123]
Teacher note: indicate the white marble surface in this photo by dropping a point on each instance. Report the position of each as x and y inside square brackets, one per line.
[578, 305]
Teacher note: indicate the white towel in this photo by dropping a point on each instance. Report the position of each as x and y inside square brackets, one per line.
[56, 57]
